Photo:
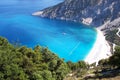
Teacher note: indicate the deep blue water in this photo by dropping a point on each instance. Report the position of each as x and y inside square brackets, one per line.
[71, 41]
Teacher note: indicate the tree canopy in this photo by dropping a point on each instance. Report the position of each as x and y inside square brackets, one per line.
[39, 63]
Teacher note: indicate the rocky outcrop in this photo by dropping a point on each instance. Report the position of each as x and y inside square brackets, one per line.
[91, 12]
[111, 25]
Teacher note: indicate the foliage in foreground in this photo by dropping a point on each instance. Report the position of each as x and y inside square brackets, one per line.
[22, 63]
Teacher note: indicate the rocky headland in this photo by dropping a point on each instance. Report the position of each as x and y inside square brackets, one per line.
[90, 12]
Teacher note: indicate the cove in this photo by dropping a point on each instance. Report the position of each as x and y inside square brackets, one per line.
[69, 40]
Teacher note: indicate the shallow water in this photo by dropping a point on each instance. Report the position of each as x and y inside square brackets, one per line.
[71, 41]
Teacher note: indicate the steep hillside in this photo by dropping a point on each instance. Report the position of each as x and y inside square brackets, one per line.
[91, 12]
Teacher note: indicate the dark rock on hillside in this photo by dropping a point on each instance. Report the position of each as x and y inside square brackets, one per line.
[91, 12]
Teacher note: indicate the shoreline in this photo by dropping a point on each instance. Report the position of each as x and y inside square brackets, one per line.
[101, 49]
[37, 13]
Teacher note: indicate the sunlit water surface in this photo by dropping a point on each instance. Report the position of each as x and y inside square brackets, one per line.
[71, 41]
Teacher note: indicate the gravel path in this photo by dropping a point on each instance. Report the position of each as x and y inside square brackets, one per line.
[118, 32]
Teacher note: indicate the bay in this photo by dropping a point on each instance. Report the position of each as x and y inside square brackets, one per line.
[69, 40]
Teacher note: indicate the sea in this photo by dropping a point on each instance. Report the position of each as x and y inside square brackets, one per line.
[69, 40]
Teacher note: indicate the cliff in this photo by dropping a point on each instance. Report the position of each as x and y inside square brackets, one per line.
[90, 12]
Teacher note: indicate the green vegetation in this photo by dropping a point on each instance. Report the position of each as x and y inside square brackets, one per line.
[114, 60]
[108, 68]
[22, 63]
[112, 37]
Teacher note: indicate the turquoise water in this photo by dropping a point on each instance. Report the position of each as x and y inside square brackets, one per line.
[71, 41]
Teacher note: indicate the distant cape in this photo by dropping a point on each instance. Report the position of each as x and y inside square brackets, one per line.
[90, 12]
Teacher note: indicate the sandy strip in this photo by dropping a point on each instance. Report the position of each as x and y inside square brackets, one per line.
[37, 13]
[101, 49]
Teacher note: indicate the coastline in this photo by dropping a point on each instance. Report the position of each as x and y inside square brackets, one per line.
[100, 50]
[37, 13]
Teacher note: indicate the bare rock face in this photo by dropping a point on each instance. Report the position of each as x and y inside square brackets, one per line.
[91, 12]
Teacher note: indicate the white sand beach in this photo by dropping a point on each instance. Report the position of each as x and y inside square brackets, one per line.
[101, 49]
[37, 13]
